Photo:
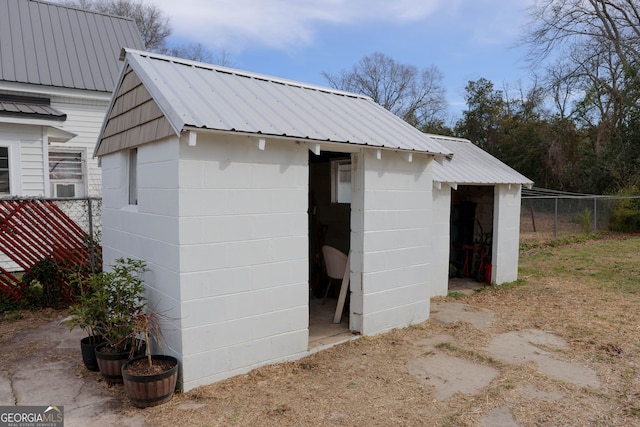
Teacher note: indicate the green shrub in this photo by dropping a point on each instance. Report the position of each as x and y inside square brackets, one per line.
[625, 213]
[585, 219]
[44, 284]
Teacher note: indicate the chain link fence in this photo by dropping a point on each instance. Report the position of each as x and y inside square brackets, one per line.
[549, 214]
[85, 212]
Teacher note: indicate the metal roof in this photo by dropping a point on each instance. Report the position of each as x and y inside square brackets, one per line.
[472, 165]
[54, 45]
[197, 95]
[28, 109]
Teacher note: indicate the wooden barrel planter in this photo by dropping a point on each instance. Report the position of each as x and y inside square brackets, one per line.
[88, 348]
[154, 389]
[110, 363]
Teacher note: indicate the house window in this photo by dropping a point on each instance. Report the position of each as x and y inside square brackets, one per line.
[4, 171]
[133, 176]
[341, 181]
[66, 173]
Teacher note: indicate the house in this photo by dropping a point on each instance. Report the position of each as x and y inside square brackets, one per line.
[476, 204]
[226, 182]
[58, 66]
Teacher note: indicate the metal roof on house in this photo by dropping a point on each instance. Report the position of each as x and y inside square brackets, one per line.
[472, 165]
[54, 45]
[197, 95]
[30, 109]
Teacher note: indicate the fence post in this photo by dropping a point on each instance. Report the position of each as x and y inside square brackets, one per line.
[595, 215]
[555, 220]
[92, 254]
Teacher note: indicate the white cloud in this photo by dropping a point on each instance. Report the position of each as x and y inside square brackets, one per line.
[281, 24]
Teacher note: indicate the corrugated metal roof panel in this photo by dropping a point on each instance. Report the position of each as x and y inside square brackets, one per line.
[472, 165]
[56, 45]
[193, 94]
[26, 109]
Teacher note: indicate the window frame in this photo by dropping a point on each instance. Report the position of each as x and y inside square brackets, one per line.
[132, 173]
[8, 170]
[341, 189]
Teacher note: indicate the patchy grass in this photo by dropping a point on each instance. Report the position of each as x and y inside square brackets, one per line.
[582, 289]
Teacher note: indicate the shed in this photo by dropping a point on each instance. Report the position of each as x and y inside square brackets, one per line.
[226, 182]
[476, 203]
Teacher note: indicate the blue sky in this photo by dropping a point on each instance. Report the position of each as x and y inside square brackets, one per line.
[299, 39]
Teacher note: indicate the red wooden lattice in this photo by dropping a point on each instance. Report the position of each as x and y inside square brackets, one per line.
[34, 229]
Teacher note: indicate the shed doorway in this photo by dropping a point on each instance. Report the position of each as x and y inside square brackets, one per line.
[329, 224]
[471, 237]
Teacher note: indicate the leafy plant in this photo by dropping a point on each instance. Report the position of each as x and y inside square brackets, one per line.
[111, 302]
[586, 221]
[625, 212]
[45, 277]
[147, 324]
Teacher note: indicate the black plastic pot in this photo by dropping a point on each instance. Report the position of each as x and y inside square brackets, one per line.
[88, 348]
[150, 390]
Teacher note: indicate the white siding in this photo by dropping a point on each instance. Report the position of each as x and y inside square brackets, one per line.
[391, 244]
[26, 151]
[441, 238]
[84, 118]
[506, 234]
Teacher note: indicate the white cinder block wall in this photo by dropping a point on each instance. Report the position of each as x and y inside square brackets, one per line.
[223, 229]
[243, 253]
[148, 230]
[441, 238]
[506, 233]
[391, 241]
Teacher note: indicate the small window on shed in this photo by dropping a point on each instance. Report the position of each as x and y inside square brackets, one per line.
[341, 181]
[133, 176]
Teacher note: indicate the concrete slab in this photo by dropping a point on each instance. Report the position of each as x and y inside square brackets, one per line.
[6, 393]
[449, 312]
[448, 375]
[532, 392]
[520, 347]
[53, 374]
[499, 417]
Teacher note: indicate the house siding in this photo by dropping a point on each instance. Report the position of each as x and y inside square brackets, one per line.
[84, 118]
[134, 119]
[391, 249]
[26, 152]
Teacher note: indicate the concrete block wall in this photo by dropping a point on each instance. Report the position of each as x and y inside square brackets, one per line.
[441, 239]
[243, 245]
[148, 230]
[506, 233]
[391, 241]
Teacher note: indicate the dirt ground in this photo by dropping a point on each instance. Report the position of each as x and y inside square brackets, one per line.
[564, 293]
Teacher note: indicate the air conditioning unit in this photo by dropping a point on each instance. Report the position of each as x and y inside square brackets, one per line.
[66, 190]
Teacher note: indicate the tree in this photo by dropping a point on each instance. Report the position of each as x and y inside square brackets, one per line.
[416, 96]
[485, 108]
[153, 26]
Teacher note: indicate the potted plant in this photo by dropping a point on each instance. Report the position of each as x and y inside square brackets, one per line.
[149, 380]
[90, 315]
[120, 293]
